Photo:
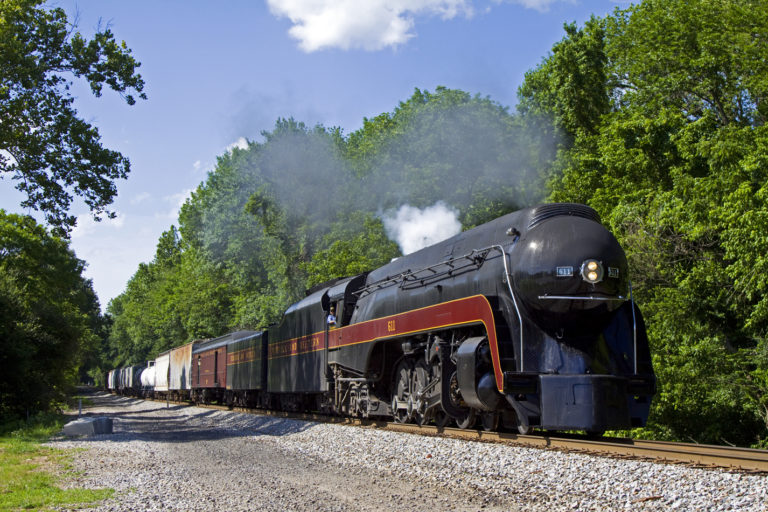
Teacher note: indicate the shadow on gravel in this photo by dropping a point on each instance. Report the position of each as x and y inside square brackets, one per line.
[179, 423]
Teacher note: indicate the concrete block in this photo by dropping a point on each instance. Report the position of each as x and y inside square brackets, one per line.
[88, 427]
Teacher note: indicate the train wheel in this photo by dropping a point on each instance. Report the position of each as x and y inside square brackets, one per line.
[508, 420]
[441, 418]
[468, 420]
[419, 385]
[490, 421]
[401, 398]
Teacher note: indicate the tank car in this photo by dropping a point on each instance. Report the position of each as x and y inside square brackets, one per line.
[148, 380]
[124, 380]
[527, 320]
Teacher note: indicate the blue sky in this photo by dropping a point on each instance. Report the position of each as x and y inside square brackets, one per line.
[219, 72]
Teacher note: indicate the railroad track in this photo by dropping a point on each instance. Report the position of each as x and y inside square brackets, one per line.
[700, 455]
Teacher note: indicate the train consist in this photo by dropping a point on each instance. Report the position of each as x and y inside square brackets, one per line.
[526, 321]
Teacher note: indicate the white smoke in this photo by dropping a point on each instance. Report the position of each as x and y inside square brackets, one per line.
[241, 143]
[414, 229]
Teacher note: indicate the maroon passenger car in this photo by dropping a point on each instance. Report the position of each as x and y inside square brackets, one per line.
[209, 369]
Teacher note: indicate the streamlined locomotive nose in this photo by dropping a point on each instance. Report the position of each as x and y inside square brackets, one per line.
[570, 271]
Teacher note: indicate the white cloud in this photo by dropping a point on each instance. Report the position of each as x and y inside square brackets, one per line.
[539, 5]
[140, 198]
[366, 24]
[371, 24]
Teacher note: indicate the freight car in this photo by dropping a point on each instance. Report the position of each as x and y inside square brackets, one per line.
[527, 320]
[126, 380]
[246, 379]
[148, 380]
[180, 371]
[162, 375]
[209, 376]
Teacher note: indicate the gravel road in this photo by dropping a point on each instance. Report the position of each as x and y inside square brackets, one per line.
[195, 459]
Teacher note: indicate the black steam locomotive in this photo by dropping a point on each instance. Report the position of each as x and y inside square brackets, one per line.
[527, 321]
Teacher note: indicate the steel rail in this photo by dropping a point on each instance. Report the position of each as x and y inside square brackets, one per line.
[710, 456]
[700, 455]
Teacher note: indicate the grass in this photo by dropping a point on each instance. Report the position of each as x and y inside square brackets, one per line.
[30, 473]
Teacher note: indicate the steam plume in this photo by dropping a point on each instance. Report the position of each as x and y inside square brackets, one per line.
[414, 229]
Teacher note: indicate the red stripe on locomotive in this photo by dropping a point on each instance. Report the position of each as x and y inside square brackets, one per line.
[468, 311]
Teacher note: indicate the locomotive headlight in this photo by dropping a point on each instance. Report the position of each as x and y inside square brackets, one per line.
[592, 271]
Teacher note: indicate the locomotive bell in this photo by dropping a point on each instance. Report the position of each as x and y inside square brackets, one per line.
[570, 271]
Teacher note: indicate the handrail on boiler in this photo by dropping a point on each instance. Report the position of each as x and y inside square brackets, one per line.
[508, 280]
[468, 262]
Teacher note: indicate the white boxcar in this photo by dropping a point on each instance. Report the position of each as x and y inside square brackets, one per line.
[122, 379]
[180, 381]
[162, 372]
[112, 380]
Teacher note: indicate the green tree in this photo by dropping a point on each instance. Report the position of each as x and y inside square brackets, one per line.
[301, 188]
[44, 146]
[302, 207]
[230, 244]
[571, 86]
[160, 307]
[675, 164]
[355, 245]
[450, 146]
[49, 316]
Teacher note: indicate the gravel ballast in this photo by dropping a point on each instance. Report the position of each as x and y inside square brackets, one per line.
[189, 458]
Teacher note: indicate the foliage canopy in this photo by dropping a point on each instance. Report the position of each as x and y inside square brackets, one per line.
[670, 150]
[654, 115]
[304, 206]
[49, 317]
[45, 147]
